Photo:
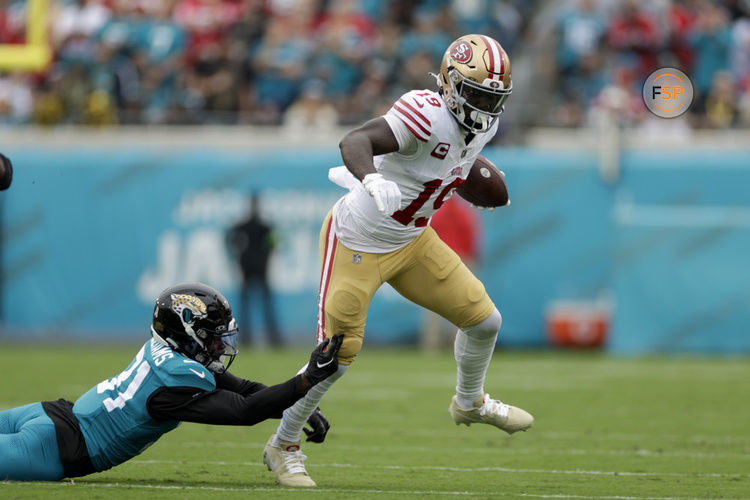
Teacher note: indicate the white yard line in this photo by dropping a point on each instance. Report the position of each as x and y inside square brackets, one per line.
[308, 491]
[494, 450]
[640, 436]
[600, 435]
[466, 469]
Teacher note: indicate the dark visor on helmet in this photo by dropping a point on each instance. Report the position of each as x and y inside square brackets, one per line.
[221, 346]
[483, 99]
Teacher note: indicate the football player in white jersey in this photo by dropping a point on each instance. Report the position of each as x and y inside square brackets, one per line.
[400, 168]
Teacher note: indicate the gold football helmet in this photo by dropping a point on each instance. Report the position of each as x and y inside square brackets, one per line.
[475, 81]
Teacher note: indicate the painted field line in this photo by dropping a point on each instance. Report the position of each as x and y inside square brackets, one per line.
[309, 491]
[526, 451]
[590, 435]
[466, 469]
[586, 435]
[639, 436]
[634, 453]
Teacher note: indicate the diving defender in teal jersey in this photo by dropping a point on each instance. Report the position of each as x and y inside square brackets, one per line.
[179, 375]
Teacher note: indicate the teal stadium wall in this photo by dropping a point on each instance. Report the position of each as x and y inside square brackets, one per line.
[91, 236]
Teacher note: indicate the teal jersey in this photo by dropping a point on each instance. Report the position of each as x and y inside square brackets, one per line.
[113, 415]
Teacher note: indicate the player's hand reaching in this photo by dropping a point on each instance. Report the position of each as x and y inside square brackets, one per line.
[386, 194]
[323, 361]
[319, 427]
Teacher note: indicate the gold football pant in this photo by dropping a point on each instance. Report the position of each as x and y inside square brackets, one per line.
[426, 271]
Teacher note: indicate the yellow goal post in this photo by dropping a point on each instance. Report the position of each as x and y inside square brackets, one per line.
[35, 54]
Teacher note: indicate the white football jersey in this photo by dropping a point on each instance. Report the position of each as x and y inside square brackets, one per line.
[432, 161]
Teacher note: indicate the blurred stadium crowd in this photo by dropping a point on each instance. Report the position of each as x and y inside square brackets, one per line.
[326, 62]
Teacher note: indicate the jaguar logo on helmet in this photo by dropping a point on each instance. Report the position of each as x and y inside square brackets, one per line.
[461, 52]
[188, 307]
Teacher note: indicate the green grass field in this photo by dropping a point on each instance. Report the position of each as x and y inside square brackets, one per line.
[605, 428]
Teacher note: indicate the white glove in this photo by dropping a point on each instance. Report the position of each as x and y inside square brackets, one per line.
[386, 193]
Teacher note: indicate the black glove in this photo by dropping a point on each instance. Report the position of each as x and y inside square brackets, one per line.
[323, 362]
[320, 426]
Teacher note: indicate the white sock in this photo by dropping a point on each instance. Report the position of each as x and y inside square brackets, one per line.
[473, 350]
[295, 417]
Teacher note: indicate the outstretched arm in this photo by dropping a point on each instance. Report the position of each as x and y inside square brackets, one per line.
[224, 407]
[251, 403]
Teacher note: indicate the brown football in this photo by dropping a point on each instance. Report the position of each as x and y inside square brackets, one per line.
[485, 185]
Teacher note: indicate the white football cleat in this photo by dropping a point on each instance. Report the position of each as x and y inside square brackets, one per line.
[286, 461]
[491, 411]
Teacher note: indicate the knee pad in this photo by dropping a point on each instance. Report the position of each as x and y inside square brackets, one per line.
[487, 328]
[345, 303]
[350, 347]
